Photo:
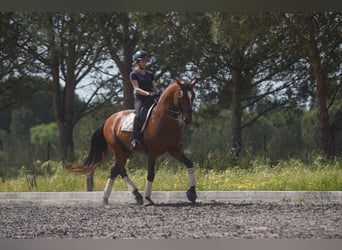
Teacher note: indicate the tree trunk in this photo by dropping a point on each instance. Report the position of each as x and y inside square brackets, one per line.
[67, 142]
[326, 134]
[236, 105]
[124, 64]
[327, 141]
[64, 100]
[128, 99]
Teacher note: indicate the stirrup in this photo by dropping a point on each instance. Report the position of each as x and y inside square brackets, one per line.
[135, 144]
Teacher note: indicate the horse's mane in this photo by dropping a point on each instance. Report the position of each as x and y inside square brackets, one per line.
[167, 90]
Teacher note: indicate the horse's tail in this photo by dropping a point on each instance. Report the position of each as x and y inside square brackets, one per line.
[97, 152]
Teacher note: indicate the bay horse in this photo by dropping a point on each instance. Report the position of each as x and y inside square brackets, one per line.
[162, 134]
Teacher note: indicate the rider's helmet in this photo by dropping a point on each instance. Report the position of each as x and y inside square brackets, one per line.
[140, 55]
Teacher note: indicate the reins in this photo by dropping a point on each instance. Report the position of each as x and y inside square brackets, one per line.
[173, 112]
[180, 109]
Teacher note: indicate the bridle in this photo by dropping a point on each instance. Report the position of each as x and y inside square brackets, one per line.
[180, 111]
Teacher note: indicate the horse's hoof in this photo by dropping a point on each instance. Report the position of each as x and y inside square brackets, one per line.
[138, 197]
[148, 202]
[191, 195]
[139, 201]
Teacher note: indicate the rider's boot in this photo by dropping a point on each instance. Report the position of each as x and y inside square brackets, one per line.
[136, 134]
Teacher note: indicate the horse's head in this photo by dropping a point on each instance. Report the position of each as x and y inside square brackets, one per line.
[184, 98]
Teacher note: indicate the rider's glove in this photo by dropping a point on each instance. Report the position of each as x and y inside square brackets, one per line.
[152, 94]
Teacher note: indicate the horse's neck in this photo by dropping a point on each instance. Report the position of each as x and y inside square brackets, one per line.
[165, 106]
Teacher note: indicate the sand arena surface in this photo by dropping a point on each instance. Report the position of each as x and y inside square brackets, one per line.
[172, 220]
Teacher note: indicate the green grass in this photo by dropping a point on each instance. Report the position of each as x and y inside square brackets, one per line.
[290, 175]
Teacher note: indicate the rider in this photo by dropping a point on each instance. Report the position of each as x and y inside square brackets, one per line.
[145, 88]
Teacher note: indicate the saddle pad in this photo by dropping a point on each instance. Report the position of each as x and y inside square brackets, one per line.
[127, 124]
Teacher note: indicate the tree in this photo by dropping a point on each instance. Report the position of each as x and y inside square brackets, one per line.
[320, 36]
[253, 62]
[310, 131]
[66, 48]
[177, 41]
[9, 53]
[285, 138]
[120, 36]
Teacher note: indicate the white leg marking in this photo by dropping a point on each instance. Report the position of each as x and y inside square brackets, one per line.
[148, 189]
[129, 183]
[108, 188]
[192, 178]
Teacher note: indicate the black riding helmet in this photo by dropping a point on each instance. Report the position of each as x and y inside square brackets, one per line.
[140, 55]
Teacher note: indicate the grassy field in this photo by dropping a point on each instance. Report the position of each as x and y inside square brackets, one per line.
[290, 175]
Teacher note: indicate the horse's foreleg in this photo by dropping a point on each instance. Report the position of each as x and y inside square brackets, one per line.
[179, 155]
[149, 181]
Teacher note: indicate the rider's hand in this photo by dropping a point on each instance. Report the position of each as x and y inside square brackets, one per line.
[152, 94]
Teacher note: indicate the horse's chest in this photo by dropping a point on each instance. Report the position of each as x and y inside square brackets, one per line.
[169, 135]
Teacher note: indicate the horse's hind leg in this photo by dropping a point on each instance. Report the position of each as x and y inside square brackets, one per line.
[179, 155]
[119, 169]
[114, 172]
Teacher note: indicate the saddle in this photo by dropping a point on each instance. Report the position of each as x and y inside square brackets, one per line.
[145, 113]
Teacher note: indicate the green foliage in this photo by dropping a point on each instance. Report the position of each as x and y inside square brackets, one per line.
[286, 131]
[257, 136]
[286, 175]
[45, 140]
[310, 130]
[43, 133]
[181, 46]
[3, 167]
[210, 133]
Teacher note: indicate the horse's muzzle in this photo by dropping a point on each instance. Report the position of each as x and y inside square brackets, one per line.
[186, 116]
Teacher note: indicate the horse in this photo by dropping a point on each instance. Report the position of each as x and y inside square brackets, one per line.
[162, 134]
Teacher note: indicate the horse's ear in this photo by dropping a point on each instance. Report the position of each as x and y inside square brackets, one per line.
[180, 84]
[193, 82]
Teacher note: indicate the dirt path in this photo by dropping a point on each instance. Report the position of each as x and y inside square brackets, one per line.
[178, 220]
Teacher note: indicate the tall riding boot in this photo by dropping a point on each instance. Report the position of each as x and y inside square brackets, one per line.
[136, 134]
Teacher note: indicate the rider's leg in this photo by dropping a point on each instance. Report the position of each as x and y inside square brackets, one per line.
[136, 125]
